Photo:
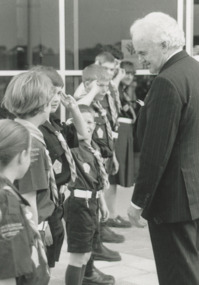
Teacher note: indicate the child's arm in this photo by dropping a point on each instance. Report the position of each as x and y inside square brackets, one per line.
[10, 281]
[48, 236]
[90, 96]
[103, 208]
[115, 164]
[71, 104]
[31, 197]
[120, 75]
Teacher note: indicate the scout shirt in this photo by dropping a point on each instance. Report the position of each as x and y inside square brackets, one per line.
[15, 239]
[36, 179]
[22, 254]
[56, 152]
[88, 174]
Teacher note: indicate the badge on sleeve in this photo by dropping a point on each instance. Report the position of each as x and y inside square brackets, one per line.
[100, 133]
[57, 166]
[86, 167]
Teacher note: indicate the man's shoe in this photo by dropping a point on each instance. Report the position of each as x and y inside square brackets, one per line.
[101, 252]
[107, 235]
[98, 278]
[118, 222]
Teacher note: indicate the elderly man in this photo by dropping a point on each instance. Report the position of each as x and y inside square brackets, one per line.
[167, 188]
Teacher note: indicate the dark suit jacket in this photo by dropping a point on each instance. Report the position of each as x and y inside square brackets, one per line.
[167, 186]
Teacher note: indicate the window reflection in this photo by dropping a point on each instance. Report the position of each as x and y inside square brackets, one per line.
[72, 82]
[104, 26]
[29, 33]
[4, 80]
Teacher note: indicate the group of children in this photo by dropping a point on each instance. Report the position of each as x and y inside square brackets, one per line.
[41, 158]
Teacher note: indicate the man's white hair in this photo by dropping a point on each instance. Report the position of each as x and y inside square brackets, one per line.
[159, 28]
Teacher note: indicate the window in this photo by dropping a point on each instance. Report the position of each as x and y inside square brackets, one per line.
[29, 33]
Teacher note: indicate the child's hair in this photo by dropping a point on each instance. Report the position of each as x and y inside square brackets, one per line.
[52, 73]
[28, 93]
[86, 109]
[103, 57]
[125, 63]
[95, 72]
[14, 139]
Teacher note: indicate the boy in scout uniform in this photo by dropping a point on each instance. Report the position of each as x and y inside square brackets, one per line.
[59, 138]
[82, 207]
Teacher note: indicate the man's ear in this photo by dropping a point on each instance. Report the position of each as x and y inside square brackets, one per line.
[165, 45]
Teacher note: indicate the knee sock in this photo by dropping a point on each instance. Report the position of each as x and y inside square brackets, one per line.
[89, 267]
[73, 275]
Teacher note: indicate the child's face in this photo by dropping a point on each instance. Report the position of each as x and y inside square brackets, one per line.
[101, 86]
[55, 102]
[128, 78]
[46, 112]
[110, 67]
[90, 123]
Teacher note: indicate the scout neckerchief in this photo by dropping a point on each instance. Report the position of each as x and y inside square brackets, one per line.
[116, 96]
[36, 133]
[68, 155]
[102, 112]
[114, 113]
[103, 173]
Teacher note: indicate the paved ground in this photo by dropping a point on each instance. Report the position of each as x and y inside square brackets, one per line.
[137, 265]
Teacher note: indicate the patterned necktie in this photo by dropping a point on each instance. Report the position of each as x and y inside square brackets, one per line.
[102, 111]
[35, 132]
[103, 173]
[68, 155]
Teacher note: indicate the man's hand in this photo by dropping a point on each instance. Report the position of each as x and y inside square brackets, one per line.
[135, 217]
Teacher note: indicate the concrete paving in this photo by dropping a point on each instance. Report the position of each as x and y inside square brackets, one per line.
[137, 266]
